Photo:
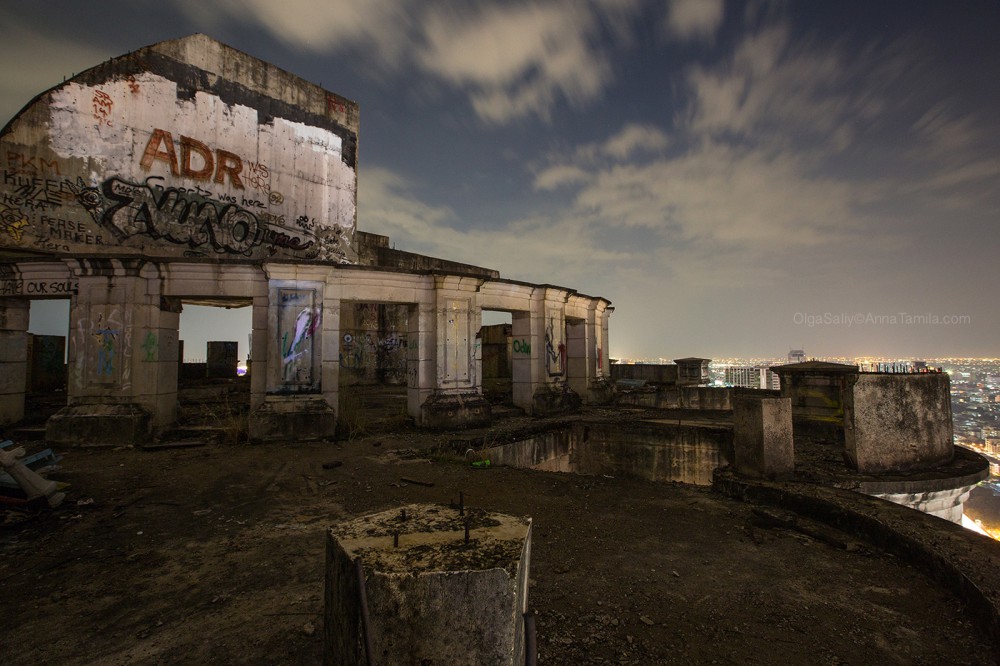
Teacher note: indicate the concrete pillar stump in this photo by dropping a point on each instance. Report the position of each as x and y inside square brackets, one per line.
[762, 437]
[434, 598]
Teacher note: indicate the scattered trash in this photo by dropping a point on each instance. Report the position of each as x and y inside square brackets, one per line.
[30, 482]
[85, 502]
[333, 464]
[202, 512]
[427, 484]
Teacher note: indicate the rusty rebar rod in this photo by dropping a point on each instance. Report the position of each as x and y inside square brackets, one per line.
[365, 621]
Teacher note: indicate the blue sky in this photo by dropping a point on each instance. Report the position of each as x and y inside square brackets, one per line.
[739, 178]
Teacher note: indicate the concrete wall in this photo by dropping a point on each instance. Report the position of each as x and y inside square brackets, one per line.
[181, 149]
[656, 452]
[713, 398]
[188, 171]
[895, 422]
[665, 373]
[373, 343]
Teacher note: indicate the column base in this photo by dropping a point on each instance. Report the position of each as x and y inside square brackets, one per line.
[600, 392]
[297, 418]
[462, 410]
[552, 400]
[99, 425]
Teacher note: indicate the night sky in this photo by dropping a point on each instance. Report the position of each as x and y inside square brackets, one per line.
[738, 178]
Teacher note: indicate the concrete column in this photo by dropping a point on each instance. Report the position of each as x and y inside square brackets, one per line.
[295, 405]
[762, 436]
[114, 381]
[331, 347]
[13, 358]
[602, 315]
[421, 352]
[433, 595]
[161, 351]
[259, 339]
[525, 368]
[457, 399]
[580, 360]
[552, 394]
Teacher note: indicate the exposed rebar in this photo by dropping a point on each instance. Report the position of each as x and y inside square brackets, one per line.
[365, 623]
[530, 645]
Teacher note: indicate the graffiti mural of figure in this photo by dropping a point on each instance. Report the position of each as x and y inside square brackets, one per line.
[306, 324]
[105, 348]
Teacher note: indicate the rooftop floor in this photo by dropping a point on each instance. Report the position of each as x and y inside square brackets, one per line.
[215, 554]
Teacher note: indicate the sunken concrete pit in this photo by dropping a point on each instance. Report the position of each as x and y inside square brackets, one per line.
[437, 584]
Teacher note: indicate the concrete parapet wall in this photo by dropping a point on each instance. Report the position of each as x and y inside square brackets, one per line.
[665, 373]
[762, 436]
[682, 397]
[895, 422]
[965, 562]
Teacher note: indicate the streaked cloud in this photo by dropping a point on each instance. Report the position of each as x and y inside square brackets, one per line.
[379, 26]
[694, 19]
[517, 61]
[20, 83]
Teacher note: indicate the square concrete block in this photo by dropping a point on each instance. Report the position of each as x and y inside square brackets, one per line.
[762, 437]
[433, 598]
[898, 422]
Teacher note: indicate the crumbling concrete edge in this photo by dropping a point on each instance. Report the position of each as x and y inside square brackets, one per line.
[966, 563]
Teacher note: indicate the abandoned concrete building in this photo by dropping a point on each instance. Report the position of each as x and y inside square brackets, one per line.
[190, 173]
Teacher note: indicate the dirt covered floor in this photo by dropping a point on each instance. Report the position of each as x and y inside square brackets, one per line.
[215, 555]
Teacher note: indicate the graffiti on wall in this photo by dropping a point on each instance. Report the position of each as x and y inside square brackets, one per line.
[373, 346]
[174, 184]
[298, 322]
[521, 347]
[149, 345]
[107, 343]
[182, 216]
[106, 338]
[555, 352]
[103, 105]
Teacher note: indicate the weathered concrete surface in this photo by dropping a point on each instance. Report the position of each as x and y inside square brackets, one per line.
[965, 562]
[231, 158]
[816, 389]
[190, 172]
[679, 397]
[653, 373]
[463, 410]
[291, 418]
[433, 596]
[552, 400]
[941, 492]
[652, 450]
[99, 425]
[897, 422]
[762, 437]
